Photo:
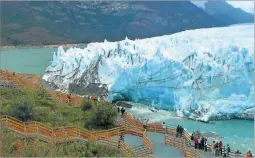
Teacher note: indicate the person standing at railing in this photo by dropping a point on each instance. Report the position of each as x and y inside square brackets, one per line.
[217, 149]
[221, 147]
[145, 122]
[181, 131]
[164, 127]
[199, 143]
[205, 145]
[192, 139]
[228, 150]
[213, 148]
[202, 143]
[177, 130]
[196, 142]
[122, 110]
[237, 153]
[248, 154]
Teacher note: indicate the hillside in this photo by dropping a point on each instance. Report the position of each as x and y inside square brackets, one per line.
[42, 23]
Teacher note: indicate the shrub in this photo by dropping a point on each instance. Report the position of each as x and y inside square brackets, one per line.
[23, 111]
[102, 115]
[87, 105]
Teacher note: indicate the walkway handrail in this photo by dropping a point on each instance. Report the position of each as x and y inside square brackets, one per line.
[147, 142]
[191, 152]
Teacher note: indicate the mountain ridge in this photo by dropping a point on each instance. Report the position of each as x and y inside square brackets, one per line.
[50, 23]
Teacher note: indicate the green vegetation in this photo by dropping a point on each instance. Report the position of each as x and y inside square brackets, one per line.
[35, 105]
[12, 146]
[28, 105]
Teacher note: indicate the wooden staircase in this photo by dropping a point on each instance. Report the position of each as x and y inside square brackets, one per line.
[141, 150]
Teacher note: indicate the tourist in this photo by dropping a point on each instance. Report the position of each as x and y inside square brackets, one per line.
[213, 148]
[205, 145]
[199, 142]
[248, 154]
[196, 142]
[237, 153]
[122, 110]
[192, 139]
[145, 123]
[181, 131]
[121, 139]
[228, 150]
[164, 127]
[177, 130]
[202, 142]
[221, 147]
[217, 149]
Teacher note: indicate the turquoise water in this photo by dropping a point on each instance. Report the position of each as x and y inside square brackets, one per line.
[33, 61]
[238, 133]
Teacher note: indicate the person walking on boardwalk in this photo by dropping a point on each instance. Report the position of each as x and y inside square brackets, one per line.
[221, 147]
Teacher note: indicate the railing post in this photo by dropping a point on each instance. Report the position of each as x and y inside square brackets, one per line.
[79, 135]
[25, 130]
[36, 134]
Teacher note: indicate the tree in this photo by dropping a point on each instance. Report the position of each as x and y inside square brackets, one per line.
[87, 105]
[102, 115]
[23, 111]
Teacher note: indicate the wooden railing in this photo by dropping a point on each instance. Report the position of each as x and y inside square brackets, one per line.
[125, 149]
[173, 141]
[63, 134]
[191, 152]
[147, 143]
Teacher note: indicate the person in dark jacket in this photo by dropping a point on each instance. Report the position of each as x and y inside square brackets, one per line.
[122, 110]
[177, 130]
[181, 131]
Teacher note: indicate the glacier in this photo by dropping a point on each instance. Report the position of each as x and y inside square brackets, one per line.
[203, 74]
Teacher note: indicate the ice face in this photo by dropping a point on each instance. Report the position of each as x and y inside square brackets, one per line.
[210, 70]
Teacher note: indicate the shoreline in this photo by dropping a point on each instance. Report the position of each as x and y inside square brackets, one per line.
[42, 46]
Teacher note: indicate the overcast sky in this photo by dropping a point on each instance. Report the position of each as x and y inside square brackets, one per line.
[247, 6]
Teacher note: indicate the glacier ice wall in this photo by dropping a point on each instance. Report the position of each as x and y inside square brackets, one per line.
[209, 69]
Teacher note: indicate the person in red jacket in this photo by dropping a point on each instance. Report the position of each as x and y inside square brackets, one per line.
[196, 142]
[221, 147]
